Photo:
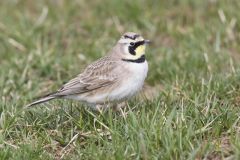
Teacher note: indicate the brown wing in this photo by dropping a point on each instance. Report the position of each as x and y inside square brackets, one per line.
[99, 74]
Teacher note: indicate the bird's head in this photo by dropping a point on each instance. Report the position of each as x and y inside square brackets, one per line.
[133, 45]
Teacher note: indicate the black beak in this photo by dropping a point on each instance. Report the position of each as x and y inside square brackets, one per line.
[146, 41]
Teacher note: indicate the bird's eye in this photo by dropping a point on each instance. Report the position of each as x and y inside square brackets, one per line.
[132, 43]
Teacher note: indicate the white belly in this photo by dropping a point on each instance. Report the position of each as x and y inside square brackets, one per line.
[132, 83]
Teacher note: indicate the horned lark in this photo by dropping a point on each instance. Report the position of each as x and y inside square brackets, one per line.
[111, 79]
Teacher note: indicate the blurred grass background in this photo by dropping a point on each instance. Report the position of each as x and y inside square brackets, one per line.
[194, 73]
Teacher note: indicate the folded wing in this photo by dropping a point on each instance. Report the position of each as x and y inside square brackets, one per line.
[98, 75]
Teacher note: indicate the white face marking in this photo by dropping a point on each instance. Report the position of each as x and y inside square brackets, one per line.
[129, 40]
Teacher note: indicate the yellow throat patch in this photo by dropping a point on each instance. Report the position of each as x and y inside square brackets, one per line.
[140, 50]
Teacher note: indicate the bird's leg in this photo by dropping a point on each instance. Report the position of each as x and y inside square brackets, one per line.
[99, 108]
[102, 107]
[122, 109]
[119, 106]
[116, 107]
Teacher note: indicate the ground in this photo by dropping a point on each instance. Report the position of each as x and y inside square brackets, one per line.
[190, 108]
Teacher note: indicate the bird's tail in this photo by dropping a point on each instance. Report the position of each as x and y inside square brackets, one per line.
[42, 100]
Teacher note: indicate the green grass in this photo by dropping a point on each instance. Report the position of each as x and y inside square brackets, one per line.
[193, 68]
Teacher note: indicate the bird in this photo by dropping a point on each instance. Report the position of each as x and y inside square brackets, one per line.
[114, 78]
